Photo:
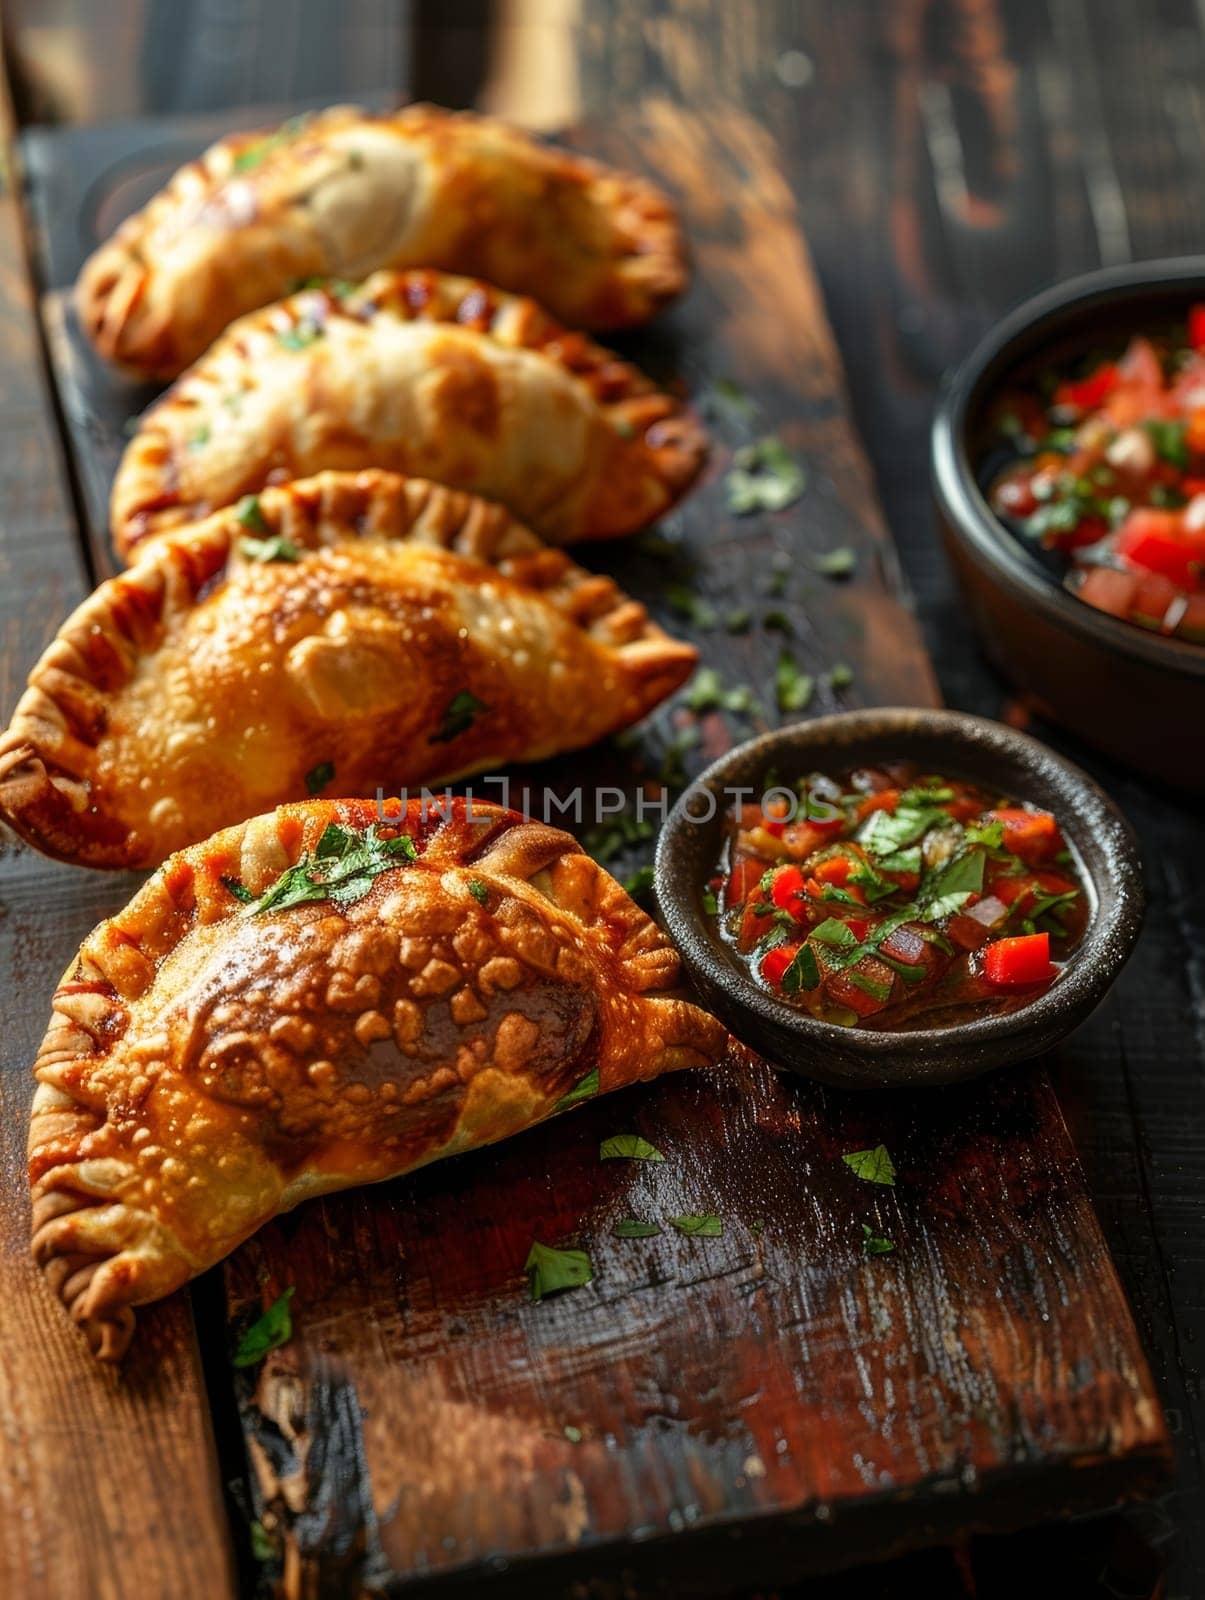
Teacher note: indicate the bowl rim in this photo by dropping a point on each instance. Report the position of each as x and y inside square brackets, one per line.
[982, 535]
[1108, 941]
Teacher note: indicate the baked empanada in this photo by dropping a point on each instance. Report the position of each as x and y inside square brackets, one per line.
[316, 999]
[342, 193]
[440, 377]
[342, 633]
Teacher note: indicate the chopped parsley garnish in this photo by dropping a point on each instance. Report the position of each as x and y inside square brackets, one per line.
[804, 971]
[574, 1435]
[266, 1333]
[317, 778]
[459, 715]
[711, 905]
[764, 476]
[479, 890]
[628, 1146]
[699, 1227]
[342, 869]
[633, 1228]
[738, 621]
[275, 548]
[200, 437]
[838, 563]
[691, 607]
[585, 1089]
[873, 1166]
[792, 687]
[249, 514]
[874, 1243]
[840, 676]
[549, 1270]
[728, 401]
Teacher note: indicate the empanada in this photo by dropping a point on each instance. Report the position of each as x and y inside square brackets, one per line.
[342, 633]
[422, 373]
[342, 193]
[314, 1000]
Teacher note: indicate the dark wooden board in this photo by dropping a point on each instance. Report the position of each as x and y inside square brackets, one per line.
[773, 1381]
[108, 1483]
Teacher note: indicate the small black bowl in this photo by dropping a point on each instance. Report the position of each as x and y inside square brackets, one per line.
[952, 743]
[1135, 694]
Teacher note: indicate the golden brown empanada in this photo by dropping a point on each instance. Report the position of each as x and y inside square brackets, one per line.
[341, 194]
[313, 1000]
[440, 377]
[344, 633]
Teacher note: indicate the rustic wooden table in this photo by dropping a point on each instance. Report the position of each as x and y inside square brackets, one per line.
[947, 157]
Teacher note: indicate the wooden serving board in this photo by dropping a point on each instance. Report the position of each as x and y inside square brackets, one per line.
[708, 1413]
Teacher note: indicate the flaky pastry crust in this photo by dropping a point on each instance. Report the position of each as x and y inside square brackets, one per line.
[209, 1064]
[422, 373]
[398, 634]
[342, 194]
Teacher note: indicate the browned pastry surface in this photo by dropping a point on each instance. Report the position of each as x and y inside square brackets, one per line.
[342, 633]
[214, 1059]
[343, 193]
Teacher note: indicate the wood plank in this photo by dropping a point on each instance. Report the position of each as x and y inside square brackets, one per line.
[772, 1382]
[108, 1481]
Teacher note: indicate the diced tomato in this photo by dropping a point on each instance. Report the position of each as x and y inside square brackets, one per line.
[1108, 589]
[962, 809]
[966, 931]
[1015, 496]
[1088, 530]
[1156, 540]
[1015, 962]
[1196, 327]
[859, 927]
[744, 879]
[1054, 883]
[1153, 598]
[1016, 893]
[1088, 393]
[1194, 432]
[1028, 834]
[786, 887]
[835, 870]
[775, 962]
[753, 927]
[845, 991]
[883, 800]
[802, 838]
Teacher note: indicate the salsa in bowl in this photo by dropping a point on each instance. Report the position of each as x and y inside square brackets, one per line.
[1081, 586]
[888, 898]
[1099, 462]
[906, 989]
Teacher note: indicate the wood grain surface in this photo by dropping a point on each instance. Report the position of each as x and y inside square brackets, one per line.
[108, 1481]
[918, 238]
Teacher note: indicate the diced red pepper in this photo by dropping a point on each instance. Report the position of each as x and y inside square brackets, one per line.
[1028, 834]
[859, 927]
[845, 991]
[835, 870]
[1088, 393]
[881, 800]
[775, 962]
[744, 879]
[1196, 327]
[1013, 963]
[802, 838]
[786, 887]
[753, 927]
[1156, 540]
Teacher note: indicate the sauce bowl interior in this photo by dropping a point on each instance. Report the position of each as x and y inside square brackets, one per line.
[956, 745]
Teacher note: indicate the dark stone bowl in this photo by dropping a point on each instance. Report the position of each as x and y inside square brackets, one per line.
[1132, 693]
[952, 743]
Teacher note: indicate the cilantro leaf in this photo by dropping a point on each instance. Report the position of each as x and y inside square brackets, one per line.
[953, 886]
[549, 1270]
[274, 548]
[479, 890]
[633, 1228]
[804, 971]
[459, 715]
[836, 933]
[764, 476]
[874, 1166]
[628, 1146]
[341, 868]
[838, 563]
[874, 1243]
[585, 1089]
[699, 1227]
[249, 514]
[793, 688]
[266, 1333]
